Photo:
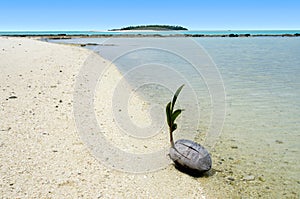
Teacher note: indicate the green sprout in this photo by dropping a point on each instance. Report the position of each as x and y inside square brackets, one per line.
[172, 115]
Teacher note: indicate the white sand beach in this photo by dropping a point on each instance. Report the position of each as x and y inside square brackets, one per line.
[41, 153]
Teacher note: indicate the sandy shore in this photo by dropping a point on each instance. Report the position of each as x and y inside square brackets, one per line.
[41, 153]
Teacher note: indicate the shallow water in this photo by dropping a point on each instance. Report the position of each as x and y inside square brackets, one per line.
[257, 153]
[261, 135]
[261, 78]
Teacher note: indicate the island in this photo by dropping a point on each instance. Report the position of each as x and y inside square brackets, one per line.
[151, 27]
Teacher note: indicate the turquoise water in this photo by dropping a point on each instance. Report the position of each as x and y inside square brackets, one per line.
[261, 134]
[257, 153]
[193, 32]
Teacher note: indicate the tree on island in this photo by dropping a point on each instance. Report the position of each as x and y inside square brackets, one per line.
[152, 27]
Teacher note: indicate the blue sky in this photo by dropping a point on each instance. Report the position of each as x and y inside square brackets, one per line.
[108, 14]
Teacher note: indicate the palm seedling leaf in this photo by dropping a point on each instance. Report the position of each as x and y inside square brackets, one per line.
[175, 115]
[169, 114]
[175, 97]
[174, 127]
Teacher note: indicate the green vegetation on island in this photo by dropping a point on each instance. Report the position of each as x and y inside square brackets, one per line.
[152, 27]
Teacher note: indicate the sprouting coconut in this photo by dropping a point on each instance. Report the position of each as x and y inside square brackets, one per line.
[185, 154]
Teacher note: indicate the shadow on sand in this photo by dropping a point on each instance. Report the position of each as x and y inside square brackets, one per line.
[195, 173]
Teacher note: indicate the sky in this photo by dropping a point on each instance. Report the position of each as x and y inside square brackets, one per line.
[84, 15]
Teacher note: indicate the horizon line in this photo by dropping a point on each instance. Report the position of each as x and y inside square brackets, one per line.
[78, 30]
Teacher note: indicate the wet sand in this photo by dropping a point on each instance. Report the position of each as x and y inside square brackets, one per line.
[42, 155]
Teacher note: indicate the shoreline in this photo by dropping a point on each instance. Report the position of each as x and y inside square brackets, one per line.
[39, 131]
[67, 36]
[50, 159]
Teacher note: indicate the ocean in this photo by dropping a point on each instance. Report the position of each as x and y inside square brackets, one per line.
[191, 32]
[241, 101]
[261, 133]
